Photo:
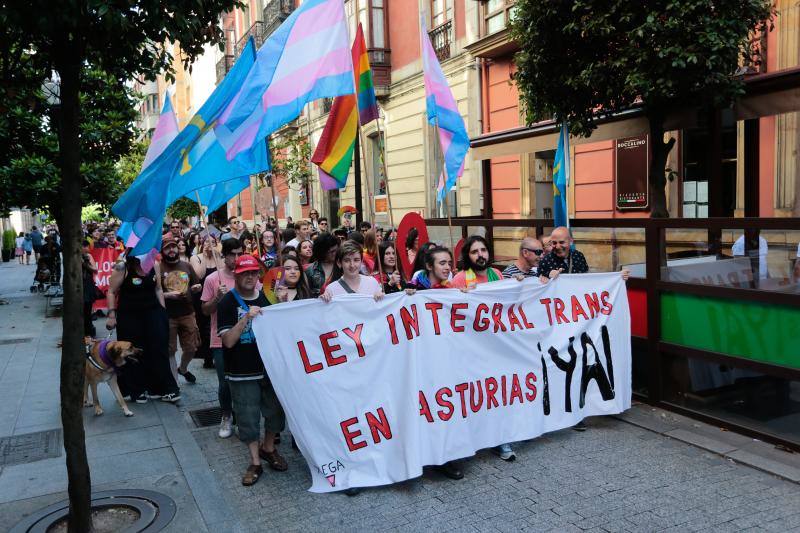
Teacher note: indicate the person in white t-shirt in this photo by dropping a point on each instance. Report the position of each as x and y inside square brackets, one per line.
[303, 233]
[347, 278]
[737, 250]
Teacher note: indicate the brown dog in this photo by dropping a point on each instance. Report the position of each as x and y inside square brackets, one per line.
[102, 361]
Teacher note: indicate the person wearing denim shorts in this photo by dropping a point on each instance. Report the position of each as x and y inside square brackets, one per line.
[251, 391]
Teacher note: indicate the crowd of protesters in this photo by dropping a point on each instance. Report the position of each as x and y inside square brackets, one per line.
[209, 284]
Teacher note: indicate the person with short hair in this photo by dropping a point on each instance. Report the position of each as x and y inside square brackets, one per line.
[347, 277]
[322, 224]
[37, 240]
[364, 227]
[215, 287]
[235, 229]
[563, 258]
[303, 229]
[526, 264]
[252, 393]
[341, 234]
[180, 281]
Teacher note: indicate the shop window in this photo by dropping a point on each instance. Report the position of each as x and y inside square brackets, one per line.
[754, 397]
[697, 153]
[541, 180]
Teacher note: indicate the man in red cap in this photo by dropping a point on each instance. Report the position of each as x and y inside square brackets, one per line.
[251, 391]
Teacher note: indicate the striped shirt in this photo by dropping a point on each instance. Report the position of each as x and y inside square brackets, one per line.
[512, 270]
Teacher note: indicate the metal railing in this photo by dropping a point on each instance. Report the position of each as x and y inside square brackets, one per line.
[275, 12]
[442, 39]
[258, 31]
[224, 65]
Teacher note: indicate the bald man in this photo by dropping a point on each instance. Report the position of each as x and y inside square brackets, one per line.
[562, 258]
[526, 265]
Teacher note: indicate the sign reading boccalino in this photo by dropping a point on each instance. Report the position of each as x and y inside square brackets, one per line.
[374, 391]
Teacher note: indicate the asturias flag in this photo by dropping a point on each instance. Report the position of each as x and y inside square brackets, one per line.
[561, 172]
[193, 160]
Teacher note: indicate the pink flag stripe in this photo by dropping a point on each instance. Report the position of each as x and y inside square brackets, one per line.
[245, 134]
[302, 80]
[166, 125]
[297, 56]
[316, 19]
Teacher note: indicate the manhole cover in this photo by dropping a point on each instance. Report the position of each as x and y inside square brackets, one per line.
[30, 447]
[21, 340]
[204, 418]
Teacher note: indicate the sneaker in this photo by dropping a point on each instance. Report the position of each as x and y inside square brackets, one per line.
[142, 398]
[505, 452]
[580, 426]
[154, 396]
[171, 397]
[188, 376]
[225, 427]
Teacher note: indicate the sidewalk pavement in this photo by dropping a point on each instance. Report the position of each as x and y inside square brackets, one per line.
[646, 470]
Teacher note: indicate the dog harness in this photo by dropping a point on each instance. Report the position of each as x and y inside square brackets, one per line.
[102, 350]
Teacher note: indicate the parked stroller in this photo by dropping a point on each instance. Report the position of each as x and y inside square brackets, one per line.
[45, 279]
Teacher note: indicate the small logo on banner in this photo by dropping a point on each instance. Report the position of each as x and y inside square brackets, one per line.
[329, 470]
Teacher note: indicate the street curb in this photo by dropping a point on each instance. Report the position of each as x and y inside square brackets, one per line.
[202, 483]
[682, 432]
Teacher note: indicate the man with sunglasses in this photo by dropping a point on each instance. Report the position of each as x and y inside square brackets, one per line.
[235, 229]
[526, 265]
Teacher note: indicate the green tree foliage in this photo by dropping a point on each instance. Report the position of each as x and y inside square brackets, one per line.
[125, 39]
[183, 208]
[130, 164]
[29, 173]
[583, 59]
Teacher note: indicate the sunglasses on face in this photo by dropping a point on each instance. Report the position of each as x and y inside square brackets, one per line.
[537, 251]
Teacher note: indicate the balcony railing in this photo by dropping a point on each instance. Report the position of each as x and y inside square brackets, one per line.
[442, 38]
[275, 12]
[380, 60]
[258, 31]
[224, 65]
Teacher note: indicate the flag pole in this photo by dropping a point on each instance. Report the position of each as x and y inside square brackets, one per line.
[370, 195]
[444, 185]
[385, 172]
[253, 191]
[204, 216]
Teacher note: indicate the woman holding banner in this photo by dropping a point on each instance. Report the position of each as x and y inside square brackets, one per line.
[437, 271]
[391, 276]
[347, 277]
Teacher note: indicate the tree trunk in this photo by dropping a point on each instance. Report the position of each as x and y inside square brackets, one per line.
[72, 354]
[658, 164]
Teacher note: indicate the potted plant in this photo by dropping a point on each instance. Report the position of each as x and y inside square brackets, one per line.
[8, 244]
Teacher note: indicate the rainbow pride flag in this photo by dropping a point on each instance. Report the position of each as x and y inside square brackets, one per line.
[334, 152]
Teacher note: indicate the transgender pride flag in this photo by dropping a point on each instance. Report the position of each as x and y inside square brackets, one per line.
[443, 112]
[308, 57]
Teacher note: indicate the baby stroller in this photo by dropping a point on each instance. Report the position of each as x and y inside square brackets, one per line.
[44, 279]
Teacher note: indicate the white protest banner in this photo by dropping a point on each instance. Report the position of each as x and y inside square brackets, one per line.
[374, 391]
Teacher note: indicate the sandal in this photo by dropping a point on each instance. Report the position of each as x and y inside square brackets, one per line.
[252, 475]
[274, 459]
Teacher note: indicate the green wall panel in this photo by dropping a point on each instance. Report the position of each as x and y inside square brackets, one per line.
[768, 333]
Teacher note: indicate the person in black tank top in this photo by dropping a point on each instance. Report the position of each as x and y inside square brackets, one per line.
[136, 310]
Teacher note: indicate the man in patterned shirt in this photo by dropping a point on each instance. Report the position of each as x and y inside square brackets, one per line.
[562, 258]
[526, 265]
